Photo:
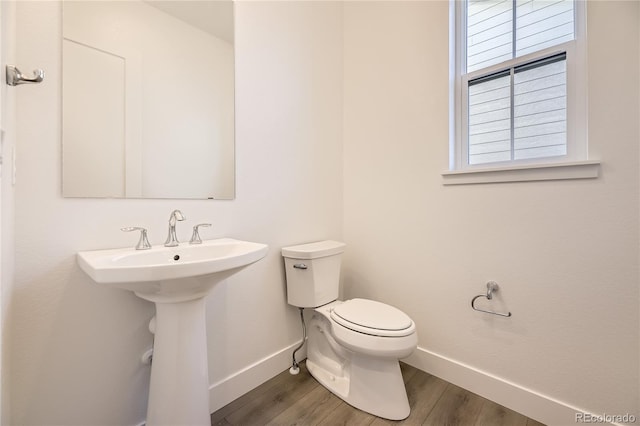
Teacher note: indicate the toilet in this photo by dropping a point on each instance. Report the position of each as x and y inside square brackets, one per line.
[353, 345]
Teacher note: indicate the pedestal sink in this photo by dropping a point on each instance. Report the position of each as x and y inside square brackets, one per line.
[176, 279]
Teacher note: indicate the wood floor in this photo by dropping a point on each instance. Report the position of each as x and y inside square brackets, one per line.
[301, 400]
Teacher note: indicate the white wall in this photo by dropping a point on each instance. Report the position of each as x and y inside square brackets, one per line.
[565, 253]
[8, 120]
[75, 346]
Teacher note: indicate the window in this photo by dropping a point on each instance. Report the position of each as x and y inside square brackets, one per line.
[519, 84]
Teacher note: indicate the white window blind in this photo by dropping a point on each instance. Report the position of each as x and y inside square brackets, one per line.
[492, 36]
[542, 23]
[540, 109]
[489, 33]
[518, 111]
[490, 119]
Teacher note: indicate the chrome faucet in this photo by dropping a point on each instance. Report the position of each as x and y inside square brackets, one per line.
[195, 237]
[143, 242]
[172, 240]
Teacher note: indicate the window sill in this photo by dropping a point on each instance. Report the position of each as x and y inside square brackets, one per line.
[523, 173]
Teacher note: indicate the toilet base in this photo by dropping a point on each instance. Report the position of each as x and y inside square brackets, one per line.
[371, 385]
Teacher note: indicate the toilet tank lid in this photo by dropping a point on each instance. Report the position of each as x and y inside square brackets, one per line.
[314, 250]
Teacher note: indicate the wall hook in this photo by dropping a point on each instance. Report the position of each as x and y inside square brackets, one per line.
[15, 77]
[492, 287]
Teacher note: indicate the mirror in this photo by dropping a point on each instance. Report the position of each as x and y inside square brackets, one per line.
[148, 99]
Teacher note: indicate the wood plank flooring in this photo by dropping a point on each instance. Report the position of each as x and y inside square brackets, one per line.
[288, 400]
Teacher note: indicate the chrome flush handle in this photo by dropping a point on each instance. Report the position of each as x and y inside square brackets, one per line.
[143, 242]
[195, 237]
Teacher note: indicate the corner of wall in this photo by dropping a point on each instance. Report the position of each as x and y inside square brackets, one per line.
[7, 146]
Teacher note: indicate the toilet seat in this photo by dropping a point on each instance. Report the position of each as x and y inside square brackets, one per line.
[372, 318]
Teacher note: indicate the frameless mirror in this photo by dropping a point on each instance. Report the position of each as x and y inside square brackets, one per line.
[148, 99]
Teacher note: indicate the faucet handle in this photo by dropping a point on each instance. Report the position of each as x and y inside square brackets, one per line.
[195, 237]
[177, 215]
[143, 242]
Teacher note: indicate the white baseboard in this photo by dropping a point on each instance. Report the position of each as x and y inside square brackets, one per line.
[532, 404]
[237, 384]
[535, 405]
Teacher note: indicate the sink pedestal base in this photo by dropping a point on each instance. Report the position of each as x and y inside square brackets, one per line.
[179, 388]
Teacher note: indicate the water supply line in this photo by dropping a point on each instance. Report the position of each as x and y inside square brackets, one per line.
[295, 368]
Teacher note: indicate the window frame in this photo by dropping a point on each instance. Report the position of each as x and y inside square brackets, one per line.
[576, 66]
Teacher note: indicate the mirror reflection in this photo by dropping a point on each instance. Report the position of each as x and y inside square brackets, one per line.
[148, 99]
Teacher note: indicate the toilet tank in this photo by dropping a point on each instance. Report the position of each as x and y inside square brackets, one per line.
[313, 273]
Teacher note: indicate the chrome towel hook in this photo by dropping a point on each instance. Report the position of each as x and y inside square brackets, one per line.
[492, 287]
[15, 77]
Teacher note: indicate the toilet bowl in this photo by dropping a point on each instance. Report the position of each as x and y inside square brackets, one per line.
[372, 328]
[353, 345]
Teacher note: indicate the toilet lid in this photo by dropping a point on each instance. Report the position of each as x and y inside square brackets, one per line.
[371, 317]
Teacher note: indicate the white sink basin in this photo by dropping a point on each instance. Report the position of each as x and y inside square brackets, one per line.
[142, 270]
